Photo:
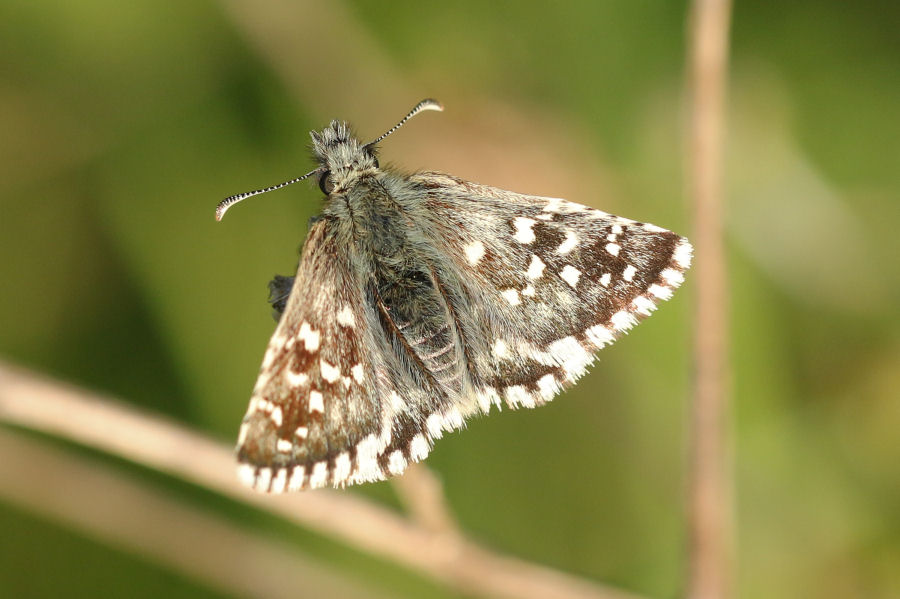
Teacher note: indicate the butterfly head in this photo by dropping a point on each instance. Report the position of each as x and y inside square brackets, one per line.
[341, 157]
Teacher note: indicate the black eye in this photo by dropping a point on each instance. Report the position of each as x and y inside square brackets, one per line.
[325, 183]
[371, 152]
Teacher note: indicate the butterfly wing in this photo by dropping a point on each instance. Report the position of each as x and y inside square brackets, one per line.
[496, 297]
[542, 283]
[318, 415]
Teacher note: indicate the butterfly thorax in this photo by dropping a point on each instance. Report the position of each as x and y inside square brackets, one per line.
[410, 306]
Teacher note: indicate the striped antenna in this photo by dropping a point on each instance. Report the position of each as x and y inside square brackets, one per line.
[427, 104]
[231, 200]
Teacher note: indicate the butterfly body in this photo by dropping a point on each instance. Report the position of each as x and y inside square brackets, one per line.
[423, 299]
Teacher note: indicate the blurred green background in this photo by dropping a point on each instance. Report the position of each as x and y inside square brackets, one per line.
[123, 124]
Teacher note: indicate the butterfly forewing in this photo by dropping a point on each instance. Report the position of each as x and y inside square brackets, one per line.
[545, 282]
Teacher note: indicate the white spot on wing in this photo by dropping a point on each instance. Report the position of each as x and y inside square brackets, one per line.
[246, 474]
[418, 448]
[617, 229]
[553, 205]
[263, 479]
[604, 280]
[396, 462]
[295, 379]
[613, 248]
[434, 426]
[329, 373]
[570, 275]
[452, 419]
[367, 459]
[547, 386]
[358, 373]
[256, 405]
[280, 481]
[653, 228]
[500, 349]
[623, 320]
[345, 317]
[528, 291]
[275, 415]
[316, 402]
[629, 273]
[643, 305]
[474, 252]
[397, 404]
[568, 243]
[309, 337]
[301, 432]
[269, 357]
[511, 296]
[672, 277]
[488, 397]
[600, 335]
[523, 226]
[283, 445]
[296, 482]
[682, 255]
[659, 291]
[517, 395]
[563, 206]
[571, 355]
[341, 468]
[536, 268]
[319, 475]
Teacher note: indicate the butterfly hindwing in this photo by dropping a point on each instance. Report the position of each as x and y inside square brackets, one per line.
[316, 416]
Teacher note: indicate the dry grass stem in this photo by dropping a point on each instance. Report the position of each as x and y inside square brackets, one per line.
[84, 495]
[422, 493]
[709, 518]
[102, 423]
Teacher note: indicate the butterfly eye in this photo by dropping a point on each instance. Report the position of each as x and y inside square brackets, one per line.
[325, 183]
[370, 150]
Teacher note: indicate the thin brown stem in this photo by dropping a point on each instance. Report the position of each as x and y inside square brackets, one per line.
[40, 404]
[423, 495]
[83, 494]
[710, 520]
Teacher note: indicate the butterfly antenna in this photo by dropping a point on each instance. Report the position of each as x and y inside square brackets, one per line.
[427, 104]
[231, 200]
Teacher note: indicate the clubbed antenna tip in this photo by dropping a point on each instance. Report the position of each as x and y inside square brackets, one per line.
[427, 104]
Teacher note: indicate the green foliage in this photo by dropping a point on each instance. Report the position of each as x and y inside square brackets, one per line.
[123, 124]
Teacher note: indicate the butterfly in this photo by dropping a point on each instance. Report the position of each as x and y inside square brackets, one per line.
[421, 300]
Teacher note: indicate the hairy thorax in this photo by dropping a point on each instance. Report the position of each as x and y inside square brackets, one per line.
[413, 309]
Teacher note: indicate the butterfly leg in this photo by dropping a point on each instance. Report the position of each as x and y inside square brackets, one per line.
[279, 291]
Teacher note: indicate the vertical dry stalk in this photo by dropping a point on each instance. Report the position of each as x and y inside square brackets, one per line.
[710, 498]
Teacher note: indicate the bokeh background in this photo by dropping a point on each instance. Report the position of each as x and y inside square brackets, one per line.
[123, 124]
